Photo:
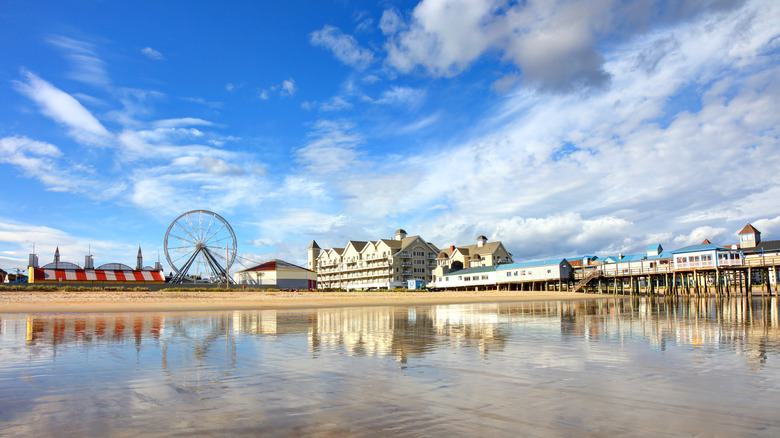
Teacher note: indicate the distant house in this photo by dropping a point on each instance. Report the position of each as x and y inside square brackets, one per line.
[278, 274]
[483, 253]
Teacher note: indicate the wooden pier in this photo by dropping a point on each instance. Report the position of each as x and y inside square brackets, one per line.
[662, 279]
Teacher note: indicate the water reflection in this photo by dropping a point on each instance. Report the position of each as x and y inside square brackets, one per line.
[748, 327]
[415, 370]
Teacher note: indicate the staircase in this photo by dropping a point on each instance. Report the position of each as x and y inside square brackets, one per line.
[596, 273]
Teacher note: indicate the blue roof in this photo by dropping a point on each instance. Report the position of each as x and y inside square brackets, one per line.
[473, 270]
[704, 247]
[626, 258]
[530, 264]
[653, 247]
[663, 255]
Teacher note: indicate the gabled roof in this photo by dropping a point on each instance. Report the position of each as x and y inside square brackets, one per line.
[406, 241]
[357, 244]
[748, 229]
[276, 265]
[394, 244]
[470, 250]
[531, 264]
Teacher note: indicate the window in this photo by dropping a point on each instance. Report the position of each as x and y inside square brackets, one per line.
[548, 271]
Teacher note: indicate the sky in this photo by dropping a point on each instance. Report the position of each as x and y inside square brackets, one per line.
[561, 128]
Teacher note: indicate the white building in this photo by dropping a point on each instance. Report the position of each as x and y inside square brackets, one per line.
[278, 274]
[706, 255]
[482, 277]
[543, 272]
[383, 264]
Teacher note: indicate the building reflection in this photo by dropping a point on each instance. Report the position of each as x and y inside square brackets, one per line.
[749, 327]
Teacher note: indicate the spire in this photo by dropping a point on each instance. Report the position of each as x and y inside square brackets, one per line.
[57, 255]
[314, 245]
[140, 265]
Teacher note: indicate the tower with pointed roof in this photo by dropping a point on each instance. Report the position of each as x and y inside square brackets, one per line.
[749, 237]
[314, 252]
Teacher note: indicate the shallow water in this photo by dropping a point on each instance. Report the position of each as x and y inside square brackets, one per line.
[584, 368]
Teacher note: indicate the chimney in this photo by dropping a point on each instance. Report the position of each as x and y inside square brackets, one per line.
[452, 248]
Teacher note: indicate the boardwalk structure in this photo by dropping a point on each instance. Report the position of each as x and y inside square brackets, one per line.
[704, 269]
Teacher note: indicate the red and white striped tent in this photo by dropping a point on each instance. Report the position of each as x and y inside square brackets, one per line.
[44, 275]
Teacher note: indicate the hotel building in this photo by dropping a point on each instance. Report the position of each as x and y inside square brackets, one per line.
[383, 264]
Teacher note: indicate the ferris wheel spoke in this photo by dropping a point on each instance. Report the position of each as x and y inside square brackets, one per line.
[211, 222]
[183, 239]
[187, 254]
[194, 238]
[181, 247]
[215, 233]
[192, 227]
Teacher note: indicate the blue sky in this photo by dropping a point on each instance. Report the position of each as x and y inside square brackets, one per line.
[559, 127]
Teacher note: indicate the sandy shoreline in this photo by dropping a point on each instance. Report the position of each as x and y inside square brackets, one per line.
[135, 301]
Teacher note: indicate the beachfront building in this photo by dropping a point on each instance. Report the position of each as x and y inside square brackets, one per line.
[62, 272]
[278, 274]
[478, 278]
[535, 275]
[483, 253]
[381, 264]
[706, 256]
[765, 254]
[654, 261]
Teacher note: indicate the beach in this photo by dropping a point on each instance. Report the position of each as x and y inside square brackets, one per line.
[142, 301]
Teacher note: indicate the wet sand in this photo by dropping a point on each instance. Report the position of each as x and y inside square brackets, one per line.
[134, 301]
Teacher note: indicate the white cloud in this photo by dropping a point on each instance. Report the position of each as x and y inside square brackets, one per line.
[554, 44]
[288, 87]
[263, 95]
[152, 54]
[332, 149]
[65, 109]
[335, 103]
[344, 47]
[398, 95]
[21, 237]
[182, 121]
[88, 67]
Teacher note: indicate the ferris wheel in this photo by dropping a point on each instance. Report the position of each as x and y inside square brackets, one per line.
[203, 242]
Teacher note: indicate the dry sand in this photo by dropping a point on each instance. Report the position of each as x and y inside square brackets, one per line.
[133, 301]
